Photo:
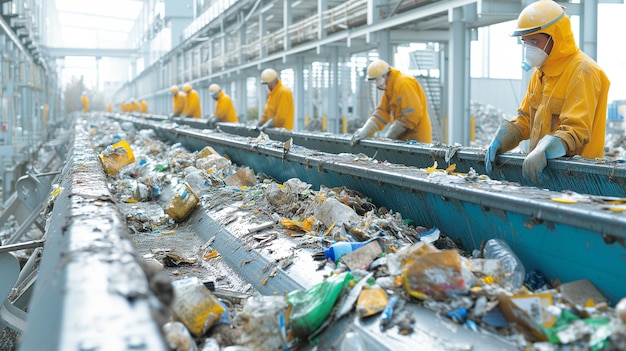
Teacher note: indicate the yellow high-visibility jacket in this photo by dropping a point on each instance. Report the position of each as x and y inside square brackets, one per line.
[144, 106]
[224, 109]
[192, 105]
[178, 101]
[136, 107]
[110, 107]
[566, 97]
[85, 102]
[279, 106]
[404, 101]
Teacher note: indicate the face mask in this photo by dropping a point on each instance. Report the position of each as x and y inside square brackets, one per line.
[215, 95]
[380, 83]
[534, 56]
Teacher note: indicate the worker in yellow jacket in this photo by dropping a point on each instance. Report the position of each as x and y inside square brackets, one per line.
[279, 111]
[109, 107]
[136, 107]
[564, 110]
[144, 106]
[85, 100]
[178, 101]
[192, 103]
[403, 104]
[224, 108]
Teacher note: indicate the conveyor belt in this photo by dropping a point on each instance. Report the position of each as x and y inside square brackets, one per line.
[565, 241]
[596, 177]
[91, 293]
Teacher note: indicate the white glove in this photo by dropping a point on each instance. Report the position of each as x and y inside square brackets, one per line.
[395, 130]
[369, 128]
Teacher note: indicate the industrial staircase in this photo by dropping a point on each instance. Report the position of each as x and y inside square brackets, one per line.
[424, 61]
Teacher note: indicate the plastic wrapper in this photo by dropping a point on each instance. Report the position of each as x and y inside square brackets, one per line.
[264, 323]
[311, 307]
[437, 274]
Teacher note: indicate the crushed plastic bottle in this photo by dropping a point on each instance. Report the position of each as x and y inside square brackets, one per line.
[499, 249]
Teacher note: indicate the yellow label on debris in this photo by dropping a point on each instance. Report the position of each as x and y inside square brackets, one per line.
[536, 307]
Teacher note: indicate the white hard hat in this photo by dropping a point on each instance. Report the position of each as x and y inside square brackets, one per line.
[377, 68]
[268, 75]
[214, 88]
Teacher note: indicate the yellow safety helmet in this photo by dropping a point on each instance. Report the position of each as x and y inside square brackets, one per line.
[187, 88]
[376, 69]
[174, 89]
[537, 16]
[268, 75]
[214, 88]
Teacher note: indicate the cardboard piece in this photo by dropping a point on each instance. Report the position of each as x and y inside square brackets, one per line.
[244, 176]
[526, 323]
[579, 292]
[535, 305]
[363, 256]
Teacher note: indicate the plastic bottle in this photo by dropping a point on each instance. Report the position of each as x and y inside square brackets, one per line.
[311, 307]
[336, 250]
[499, 249]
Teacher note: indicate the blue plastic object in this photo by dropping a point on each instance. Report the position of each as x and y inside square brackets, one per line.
[336, 250]
[458, 315]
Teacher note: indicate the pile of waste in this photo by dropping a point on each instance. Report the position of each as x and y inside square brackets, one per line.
[373, 263]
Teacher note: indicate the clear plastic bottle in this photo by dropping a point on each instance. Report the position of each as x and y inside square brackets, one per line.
[499, 249]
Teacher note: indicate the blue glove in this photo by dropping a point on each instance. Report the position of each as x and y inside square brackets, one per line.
[548, 147]
[507, 137]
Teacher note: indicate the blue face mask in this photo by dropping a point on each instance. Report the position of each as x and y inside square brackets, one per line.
[215, 95]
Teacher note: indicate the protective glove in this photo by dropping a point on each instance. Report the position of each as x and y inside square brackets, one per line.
[212, 122]
[369, 128]
[395, 130]
[507, 137]
[268, 124]
[548, 147]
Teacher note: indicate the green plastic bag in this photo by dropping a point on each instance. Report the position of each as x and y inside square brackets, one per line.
[311, 307]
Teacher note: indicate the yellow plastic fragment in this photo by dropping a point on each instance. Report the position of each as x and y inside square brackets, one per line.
[371, 301]
[451, 169]
[432, 168]
[330, 228]
[306, 225]
[564, 200]
[211, 254]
